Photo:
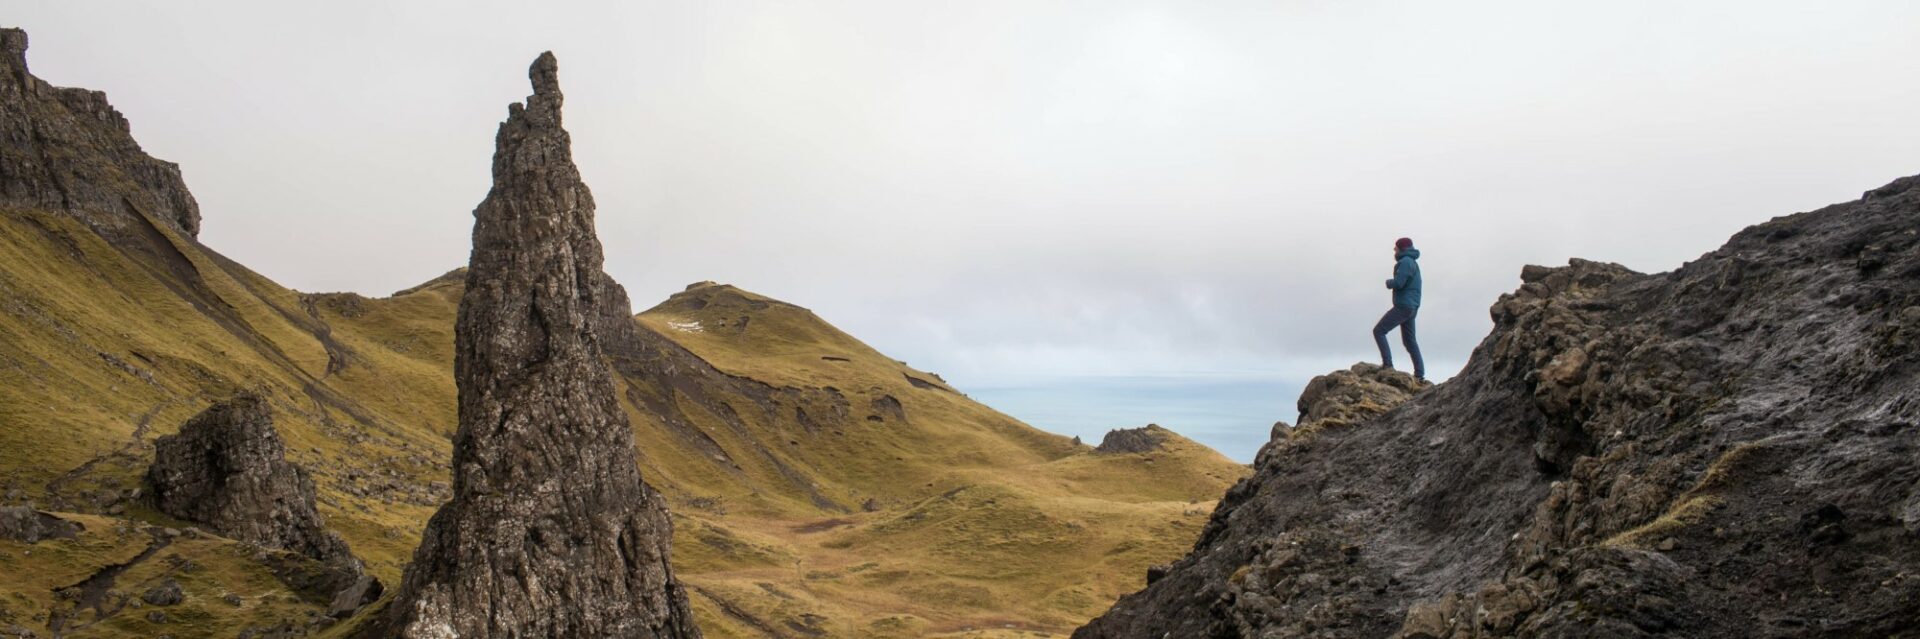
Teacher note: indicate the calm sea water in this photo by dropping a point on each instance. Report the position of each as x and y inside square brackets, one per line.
[1232, 413]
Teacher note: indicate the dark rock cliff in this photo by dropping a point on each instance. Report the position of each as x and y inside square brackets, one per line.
[68, 150]
[1731, 449]
[550, 532]
[227, 469]
[65, 151]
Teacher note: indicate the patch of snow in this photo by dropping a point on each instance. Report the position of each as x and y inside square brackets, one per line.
[686, 327]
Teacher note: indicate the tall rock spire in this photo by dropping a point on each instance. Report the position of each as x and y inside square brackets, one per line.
[550, 532]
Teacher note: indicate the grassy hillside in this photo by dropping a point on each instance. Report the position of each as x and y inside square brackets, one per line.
[819, 487]
[104, 350]
[977, 522]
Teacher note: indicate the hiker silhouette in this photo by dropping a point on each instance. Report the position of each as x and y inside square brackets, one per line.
[1405, 285]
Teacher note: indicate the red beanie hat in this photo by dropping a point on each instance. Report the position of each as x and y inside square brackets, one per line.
[1403, 243]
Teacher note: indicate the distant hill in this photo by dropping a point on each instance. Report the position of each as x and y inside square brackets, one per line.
[818, 487]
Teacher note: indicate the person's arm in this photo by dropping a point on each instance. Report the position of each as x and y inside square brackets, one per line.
[1402, 274]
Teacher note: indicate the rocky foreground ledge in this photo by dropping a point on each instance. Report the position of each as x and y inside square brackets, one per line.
[1725, 450]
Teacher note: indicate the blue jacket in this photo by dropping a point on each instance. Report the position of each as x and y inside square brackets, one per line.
[1406, 278]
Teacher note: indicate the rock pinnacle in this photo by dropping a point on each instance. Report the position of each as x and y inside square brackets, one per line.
[550, 532]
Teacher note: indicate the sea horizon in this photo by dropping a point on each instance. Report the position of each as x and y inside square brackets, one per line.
[1230, 412]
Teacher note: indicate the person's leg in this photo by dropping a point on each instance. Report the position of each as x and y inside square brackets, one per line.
[1413, 346]
[1380, 330]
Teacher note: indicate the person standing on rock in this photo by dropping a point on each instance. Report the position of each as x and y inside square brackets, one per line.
[1405, 285]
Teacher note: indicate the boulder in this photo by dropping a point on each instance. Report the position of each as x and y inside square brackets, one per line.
[227, 469]
[166, 593]
[20, 523]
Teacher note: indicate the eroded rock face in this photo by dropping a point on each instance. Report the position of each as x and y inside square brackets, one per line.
[68, 150]
[550, 532]
[1726, 450]
[227, 469]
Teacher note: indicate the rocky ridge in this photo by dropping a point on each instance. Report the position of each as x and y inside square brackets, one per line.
[1725, 450]
[545, 485]
[67, 149]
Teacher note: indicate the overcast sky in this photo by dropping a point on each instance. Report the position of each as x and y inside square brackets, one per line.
[999, 191]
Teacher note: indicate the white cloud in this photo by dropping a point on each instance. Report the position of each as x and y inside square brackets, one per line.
[992, 189]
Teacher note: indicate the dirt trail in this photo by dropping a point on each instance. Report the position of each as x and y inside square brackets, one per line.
[92, 591]
[55, 487]
[733, 610]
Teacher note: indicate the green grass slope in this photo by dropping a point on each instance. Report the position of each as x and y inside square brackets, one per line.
[925, 513]
[103, 575]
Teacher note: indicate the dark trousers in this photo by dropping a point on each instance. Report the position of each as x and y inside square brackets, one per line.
[1402, 317]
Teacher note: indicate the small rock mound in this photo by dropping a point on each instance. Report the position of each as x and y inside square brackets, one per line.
[166, 593]
[227, 469]
[23, 524]
[1145, 439]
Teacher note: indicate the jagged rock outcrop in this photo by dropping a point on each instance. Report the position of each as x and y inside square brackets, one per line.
[1346, 397]
[227, 469]
[1353, 395]
[66, 149]
[550, 532]
[1145, 439]
[1725, 450]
